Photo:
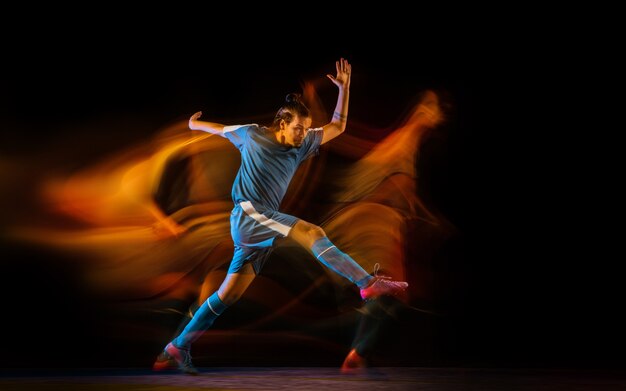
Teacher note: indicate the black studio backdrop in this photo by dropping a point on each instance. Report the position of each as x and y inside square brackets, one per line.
[518, 308]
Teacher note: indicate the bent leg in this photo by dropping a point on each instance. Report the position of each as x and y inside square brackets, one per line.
[233, 287]
[235, 284]
[314, 239]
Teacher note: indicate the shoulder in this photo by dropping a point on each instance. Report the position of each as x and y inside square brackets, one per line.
[239, 128]
[314, 132]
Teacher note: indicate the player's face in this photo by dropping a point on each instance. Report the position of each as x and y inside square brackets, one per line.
[295, 131]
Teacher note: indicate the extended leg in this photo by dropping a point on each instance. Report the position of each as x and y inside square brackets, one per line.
[314, 239]
[230, 291]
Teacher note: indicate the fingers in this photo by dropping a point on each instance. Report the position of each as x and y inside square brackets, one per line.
[343, 66]
[196, 115]
[344, 70]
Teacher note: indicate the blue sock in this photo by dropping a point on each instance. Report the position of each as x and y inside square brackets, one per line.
[340, 262]
[202, 320]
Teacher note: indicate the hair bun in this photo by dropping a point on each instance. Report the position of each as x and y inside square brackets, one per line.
[292, 98]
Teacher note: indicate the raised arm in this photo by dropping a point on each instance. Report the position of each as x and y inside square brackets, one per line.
[210, 127]
[338, 124]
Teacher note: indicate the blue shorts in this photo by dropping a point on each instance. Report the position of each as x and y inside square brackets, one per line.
[254, 230]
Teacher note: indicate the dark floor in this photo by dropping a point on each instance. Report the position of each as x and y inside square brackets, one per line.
[315, 378]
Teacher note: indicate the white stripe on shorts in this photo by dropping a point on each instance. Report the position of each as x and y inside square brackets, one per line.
[271, 224]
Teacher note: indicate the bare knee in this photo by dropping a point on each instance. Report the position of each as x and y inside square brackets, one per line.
[306, 233]
[313, 233]
[229, 296]
[235, 285]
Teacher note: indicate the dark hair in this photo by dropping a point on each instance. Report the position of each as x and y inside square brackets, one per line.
[293, 107]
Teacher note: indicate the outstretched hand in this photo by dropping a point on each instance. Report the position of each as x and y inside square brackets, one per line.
[193, 118]
[344, 70]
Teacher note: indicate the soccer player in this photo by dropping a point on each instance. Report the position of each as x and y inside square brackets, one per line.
[270, 157]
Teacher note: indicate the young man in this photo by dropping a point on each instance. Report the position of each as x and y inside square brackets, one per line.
[269, 159]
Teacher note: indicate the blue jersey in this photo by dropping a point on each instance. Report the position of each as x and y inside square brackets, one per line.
[267, 166]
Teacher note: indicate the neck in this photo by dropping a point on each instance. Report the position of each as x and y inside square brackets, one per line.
[279, 139]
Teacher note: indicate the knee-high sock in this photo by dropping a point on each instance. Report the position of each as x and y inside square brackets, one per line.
[340, 262]
[202, 320]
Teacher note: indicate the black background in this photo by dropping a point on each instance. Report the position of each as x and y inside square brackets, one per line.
[530, 301]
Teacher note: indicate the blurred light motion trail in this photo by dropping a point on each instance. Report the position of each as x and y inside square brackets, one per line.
[152, 222]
